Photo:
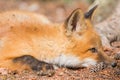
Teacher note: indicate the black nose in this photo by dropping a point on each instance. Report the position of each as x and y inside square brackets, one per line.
[114, 64]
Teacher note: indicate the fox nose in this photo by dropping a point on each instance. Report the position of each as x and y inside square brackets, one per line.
[114, 64]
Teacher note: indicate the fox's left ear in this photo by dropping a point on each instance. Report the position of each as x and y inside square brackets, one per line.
[90, 13]
[75, 22]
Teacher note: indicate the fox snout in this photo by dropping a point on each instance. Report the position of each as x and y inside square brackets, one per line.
[114, 64]
[105, 58]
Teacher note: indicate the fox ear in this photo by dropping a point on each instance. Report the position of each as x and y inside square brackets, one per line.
[90, 13]
[75, 22]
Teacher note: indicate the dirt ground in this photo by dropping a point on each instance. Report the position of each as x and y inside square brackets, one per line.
[57, 12]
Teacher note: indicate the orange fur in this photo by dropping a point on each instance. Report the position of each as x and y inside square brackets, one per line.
[25, 33]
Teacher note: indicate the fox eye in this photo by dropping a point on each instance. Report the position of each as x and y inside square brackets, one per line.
[93, 50]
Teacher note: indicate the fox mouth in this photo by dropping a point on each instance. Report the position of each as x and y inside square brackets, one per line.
[88, 62]
[71, 61]
[84, 64]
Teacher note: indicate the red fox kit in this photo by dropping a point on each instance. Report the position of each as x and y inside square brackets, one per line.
[30, 41]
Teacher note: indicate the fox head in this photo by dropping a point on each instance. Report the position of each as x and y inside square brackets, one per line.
[85, 43]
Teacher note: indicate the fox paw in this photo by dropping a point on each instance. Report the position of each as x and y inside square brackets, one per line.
[98, 67]
[48, 73]
[44, 69]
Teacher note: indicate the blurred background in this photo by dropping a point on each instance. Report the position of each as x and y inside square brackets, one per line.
[58, 10]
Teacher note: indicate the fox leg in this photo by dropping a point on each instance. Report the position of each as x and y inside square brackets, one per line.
[36, 65]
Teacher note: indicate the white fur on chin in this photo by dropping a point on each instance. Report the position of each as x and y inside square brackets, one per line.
[72, 61]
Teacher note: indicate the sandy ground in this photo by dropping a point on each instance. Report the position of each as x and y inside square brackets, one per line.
[57, 13]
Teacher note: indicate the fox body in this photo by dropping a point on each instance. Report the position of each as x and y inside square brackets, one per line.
[31, 41]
